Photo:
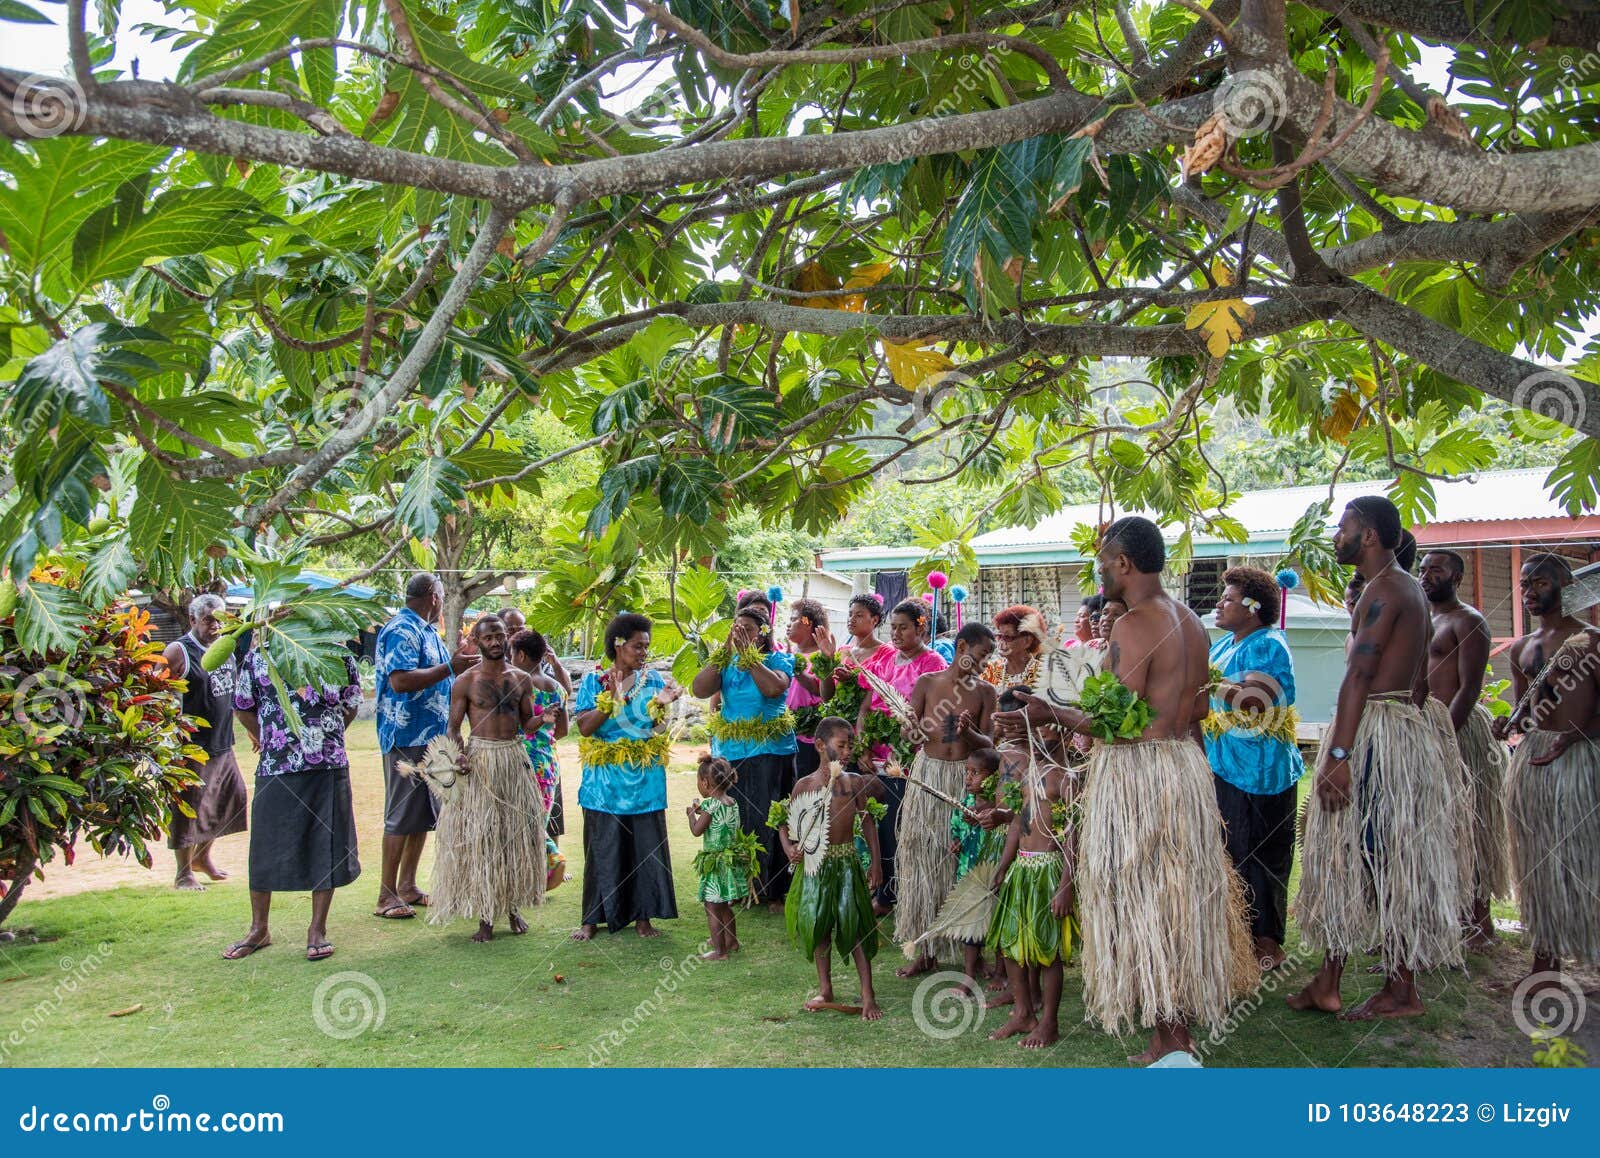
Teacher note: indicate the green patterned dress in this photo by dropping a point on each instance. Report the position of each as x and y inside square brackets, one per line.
[723, 862]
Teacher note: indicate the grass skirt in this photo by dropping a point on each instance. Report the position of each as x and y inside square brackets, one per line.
[832, 905]
[1553, 813]
[1383, 870]
[1023, 928]
[1486, 760]
[1162, 910]
[491, 851]
[1460, 790]
[924, 864]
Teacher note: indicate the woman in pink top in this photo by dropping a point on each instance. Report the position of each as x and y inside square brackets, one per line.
[804, 696]
[900, 667]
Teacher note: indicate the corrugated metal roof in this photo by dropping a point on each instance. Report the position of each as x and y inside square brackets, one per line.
[1270, 514]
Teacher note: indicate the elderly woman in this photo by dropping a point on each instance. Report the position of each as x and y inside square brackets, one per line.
[621, 716]
[1019, 630]
[1251, 744]
[303, 821]
[753, 730]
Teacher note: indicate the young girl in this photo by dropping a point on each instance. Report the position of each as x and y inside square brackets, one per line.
[729, 858]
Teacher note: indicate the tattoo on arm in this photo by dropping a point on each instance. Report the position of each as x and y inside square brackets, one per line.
[1373, 612]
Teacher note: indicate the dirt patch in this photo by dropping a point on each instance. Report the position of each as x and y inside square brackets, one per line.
[1487, 1033]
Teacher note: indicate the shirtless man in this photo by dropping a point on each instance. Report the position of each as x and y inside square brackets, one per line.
[491, 853]
[1457, 660]
[1385, 669]
[1555, 835]
[833, 905]
[953, 707]
[1159, 651]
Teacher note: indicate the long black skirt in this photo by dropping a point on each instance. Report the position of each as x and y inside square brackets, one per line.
[558, 812]
[894, 794]
[627, 869]
[303, 832]
[1260, 837]
[762, 780]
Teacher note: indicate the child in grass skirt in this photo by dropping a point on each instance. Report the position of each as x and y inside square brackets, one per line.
[729, 858]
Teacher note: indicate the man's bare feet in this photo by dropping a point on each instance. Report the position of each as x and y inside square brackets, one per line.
[1044, 1034]
[967, 990]
[714, 955]
[918, 967]
[584, 933]
[1385, 1003]
[1167, 1037]
[241, 949]
[186, 883]
[1481, 940]
[870, 1011]
[820, 1002]
[485, 932]
[646, 929]
[412, 895]
[211, 870]
[518, 925]
[1320, 994]
[1014, 1025]
[1002, 996]
[1269, 954]
[736, 946]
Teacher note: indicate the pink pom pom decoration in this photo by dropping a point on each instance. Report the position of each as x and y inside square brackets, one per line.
[937, 579]
[927, 597]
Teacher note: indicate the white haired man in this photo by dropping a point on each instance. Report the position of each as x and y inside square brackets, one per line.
[217, 805]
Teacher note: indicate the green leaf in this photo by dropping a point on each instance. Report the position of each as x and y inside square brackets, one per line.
[688, 486]
[996, 210]
[119, 238]
[432, 490]
[66, 377]
[174, 520]
[48, 618]
[258, 26]
[617, 488]
[108, 570]
[625, 408]
[734, 411]
[700, 593]
[18, 13]
[1575, 481]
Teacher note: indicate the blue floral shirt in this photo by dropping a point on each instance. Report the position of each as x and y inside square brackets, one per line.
[320, 744]
[1253, 762]
[624, 789]
[742, 700]
[410, 719]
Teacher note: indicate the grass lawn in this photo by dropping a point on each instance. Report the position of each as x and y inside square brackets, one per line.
[544, 1000]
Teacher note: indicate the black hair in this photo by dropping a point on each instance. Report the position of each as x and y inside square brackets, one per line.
[812, 610]
[1008, 701]
[1140, 540]
[1254, 583]
[975, 633]
[623, 627]
[1456, 561]
[829, 726]
[530, 643]
[1547, 563]
[1381, 516]
[1405, 555]
[488, 617]
[421, 585]
[752, 596]
[871, 602]
[1094, 602]
[721, 774]
[988, 759]
[761, 618]
[915, 610]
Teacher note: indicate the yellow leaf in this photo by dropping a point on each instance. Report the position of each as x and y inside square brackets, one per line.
[811, 278]
[1343, 417]
[1220, 273]
[1366, 384]
[860, 278]
[911, 365]
[1222, 322]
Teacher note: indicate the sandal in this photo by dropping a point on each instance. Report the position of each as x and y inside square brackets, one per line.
[239, 950]
[421, 900]
[321, 951]
[395, 911]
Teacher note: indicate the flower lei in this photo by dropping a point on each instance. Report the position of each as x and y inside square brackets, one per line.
[594, 751]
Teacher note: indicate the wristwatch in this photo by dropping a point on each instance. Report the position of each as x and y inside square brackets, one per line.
[1339, 753]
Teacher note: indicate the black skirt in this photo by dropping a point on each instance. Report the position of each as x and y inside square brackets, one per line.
[627, 869]
[1260, 833]
[762, 780]
[558, 812]
[894, 795]
[303, 832]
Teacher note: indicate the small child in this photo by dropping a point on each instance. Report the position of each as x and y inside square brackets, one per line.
[1032, 922]
[829, 902]
[729, 858]
[966, 912]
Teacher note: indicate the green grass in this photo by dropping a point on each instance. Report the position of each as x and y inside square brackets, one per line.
[453, 1003]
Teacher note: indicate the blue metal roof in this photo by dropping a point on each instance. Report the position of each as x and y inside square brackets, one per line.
[308, 579]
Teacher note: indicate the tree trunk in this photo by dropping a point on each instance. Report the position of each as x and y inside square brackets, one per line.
[18, 882]
[449, 545]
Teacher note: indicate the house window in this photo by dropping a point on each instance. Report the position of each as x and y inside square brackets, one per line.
[1205, 585]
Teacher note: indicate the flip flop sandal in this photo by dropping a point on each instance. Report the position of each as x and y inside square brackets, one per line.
[397, 911]
[422, 901]
[321, 951]
[239, 950]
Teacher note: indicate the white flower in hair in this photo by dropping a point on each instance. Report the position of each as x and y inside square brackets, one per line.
[1251, 604]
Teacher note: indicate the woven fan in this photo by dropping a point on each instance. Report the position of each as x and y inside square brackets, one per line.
[808, 826]
[890, 695]
[439, 767]
[1065, 670]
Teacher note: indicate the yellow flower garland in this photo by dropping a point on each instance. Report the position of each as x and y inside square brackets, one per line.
[751, 731]
[605, 702]
[1280, 724]
[593, 750]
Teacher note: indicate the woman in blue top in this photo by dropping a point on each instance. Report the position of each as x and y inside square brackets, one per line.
[620, 715]
[1250, 741]
[753, 730]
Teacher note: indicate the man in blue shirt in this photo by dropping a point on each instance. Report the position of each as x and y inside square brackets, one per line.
[415, 673]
